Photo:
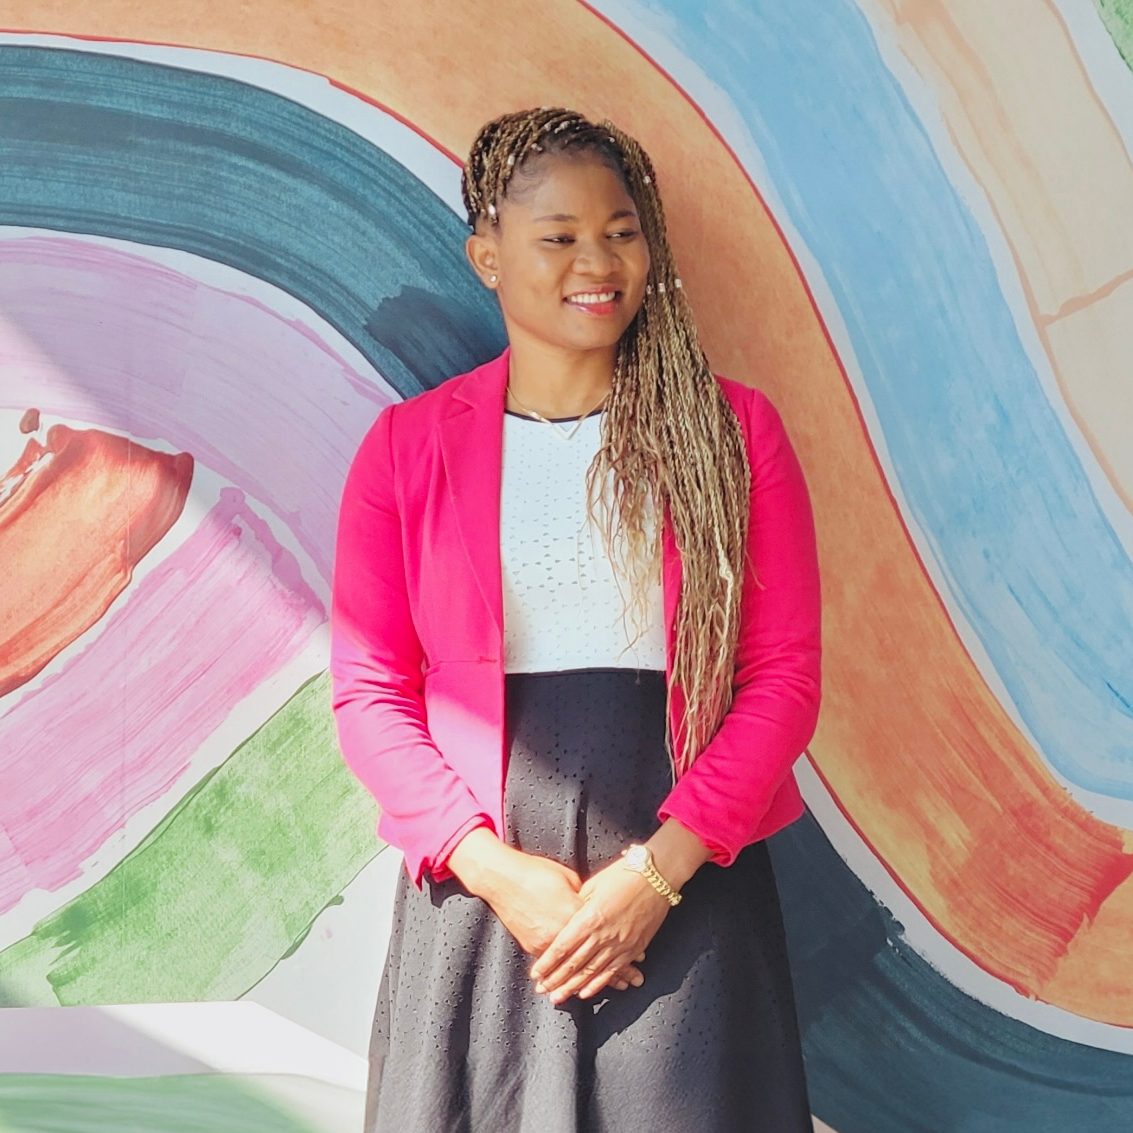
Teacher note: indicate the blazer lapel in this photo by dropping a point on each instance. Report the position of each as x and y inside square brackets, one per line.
[472, 446]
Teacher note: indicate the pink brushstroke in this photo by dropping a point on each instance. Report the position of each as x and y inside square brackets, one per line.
[124, 718]
[217, 374]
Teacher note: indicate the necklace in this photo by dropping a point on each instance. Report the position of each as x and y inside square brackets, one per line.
[558, 426]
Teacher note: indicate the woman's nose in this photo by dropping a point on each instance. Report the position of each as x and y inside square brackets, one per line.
[596, 256]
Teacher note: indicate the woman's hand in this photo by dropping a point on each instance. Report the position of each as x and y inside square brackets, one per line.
[619, 915]
[539, 898]
[534, 897]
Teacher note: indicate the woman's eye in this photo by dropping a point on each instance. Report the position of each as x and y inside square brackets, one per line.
[624, 234]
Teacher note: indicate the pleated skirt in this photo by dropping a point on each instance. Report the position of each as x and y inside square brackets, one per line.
[461, 1042]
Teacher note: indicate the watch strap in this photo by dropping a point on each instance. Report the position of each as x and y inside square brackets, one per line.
[651, 874]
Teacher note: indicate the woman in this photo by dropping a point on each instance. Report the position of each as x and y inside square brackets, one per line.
[575, 654]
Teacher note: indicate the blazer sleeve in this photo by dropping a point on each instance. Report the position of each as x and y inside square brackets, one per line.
[725, 794]
[376, 673]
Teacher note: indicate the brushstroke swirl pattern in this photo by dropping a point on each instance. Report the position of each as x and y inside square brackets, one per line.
[201, 257]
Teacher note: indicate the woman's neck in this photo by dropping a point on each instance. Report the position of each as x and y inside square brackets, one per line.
[560, 383]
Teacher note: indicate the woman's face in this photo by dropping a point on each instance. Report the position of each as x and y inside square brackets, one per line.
[569, 256]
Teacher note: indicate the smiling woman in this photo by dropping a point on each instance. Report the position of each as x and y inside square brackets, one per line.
[569, 263]
[588, 917]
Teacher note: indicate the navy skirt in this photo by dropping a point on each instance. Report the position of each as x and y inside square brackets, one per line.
[461, 1042]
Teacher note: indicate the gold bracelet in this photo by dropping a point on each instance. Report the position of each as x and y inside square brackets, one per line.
[639, 859]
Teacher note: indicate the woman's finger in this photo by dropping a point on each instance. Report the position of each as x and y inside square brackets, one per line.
[631, 975]
[603, 963]
[576, 934]
[585, 958]
[599, 971]
[595, 986]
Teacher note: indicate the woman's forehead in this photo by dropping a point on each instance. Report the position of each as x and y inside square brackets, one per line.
[562, 186]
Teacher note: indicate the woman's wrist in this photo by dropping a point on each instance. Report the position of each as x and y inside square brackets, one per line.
[480, 862]
[677, 852]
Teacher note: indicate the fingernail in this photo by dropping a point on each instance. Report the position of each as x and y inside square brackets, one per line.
[539, 986]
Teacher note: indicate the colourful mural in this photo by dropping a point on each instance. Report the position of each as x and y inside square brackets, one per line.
[225, 245]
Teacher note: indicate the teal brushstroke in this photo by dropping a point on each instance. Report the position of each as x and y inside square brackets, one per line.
[893, 1047]
[140, 151]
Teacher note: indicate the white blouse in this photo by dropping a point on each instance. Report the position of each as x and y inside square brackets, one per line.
[563, 599]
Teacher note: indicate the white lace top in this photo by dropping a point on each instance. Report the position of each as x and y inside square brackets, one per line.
[563, 600]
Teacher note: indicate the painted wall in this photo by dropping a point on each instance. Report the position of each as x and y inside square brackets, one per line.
[231, 235]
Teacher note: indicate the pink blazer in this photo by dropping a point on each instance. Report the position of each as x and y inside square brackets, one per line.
[417, 630]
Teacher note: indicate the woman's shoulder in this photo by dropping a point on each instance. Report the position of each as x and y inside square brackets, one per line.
[429, 401]
[437, 400]
[751, 405]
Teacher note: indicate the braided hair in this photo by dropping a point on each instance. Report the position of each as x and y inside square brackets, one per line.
[669, 437]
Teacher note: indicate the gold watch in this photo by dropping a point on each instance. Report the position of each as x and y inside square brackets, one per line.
[639, 858]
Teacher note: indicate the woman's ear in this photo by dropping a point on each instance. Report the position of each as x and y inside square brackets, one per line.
[481, 253]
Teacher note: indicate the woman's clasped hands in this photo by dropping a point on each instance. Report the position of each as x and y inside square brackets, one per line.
[585, 935]
[617, 918]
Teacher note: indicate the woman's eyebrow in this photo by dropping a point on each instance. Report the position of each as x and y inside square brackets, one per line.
[566, 216]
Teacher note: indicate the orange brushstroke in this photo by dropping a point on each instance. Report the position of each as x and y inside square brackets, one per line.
[917, 750]
[76, 516]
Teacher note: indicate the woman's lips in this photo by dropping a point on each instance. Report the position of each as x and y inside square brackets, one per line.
[604, 307]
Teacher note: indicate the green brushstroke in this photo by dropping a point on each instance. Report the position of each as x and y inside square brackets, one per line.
[227, 884]
[1117, 15]
[192, 1103]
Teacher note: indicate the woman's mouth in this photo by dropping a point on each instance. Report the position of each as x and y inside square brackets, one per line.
[594, 302]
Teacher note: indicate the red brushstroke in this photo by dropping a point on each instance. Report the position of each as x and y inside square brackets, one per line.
[77, 514]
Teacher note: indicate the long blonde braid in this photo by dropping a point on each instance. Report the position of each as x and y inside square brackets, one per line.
[670, 437]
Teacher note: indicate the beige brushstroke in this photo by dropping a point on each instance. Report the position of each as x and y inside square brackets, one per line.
[1020, 108]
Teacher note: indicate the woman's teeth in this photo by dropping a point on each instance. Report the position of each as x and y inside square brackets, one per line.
[597, 297]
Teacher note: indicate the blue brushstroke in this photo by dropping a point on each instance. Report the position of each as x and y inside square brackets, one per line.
[117, 147]
[1025, 552]
[892, 1047]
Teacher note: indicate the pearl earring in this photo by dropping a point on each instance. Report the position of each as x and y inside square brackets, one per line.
[493, 279]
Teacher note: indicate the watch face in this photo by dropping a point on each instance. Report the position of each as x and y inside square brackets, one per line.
[636, 857]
